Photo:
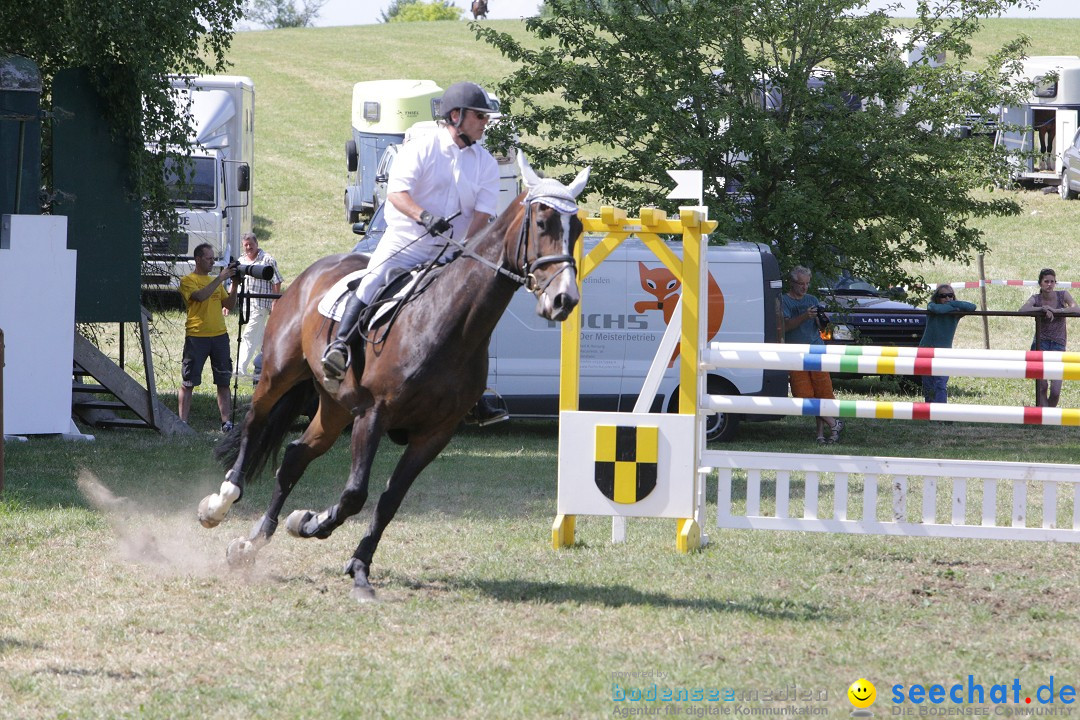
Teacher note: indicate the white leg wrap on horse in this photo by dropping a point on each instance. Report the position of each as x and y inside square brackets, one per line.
[227, 494]
[214, 507]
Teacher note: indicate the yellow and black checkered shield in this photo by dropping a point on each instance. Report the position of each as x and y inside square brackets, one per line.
[626, 461]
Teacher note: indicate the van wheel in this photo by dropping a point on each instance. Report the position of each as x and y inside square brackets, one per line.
[1063, 189]
[719, 427]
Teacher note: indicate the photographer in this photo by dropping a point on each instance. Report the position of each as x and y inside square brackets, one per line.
[804, 316]
[252, 272]
[205, 334]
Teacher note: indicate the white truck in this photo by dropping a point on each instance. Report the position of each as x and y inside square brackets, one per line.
[1046, 121]
[626, 305]
[214, 205]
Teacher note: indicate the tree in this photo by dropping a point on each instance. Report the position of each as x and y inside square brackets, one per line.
[284, 13]
[416, 10]
[833, 149]
[128, 47]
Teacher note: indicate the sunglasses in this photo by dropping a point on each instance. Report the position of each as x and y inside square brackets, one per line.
[481, 115]
[946, 295]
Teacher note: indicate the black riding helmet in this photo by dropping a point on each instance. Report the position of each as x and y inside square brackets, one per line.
[468, 96]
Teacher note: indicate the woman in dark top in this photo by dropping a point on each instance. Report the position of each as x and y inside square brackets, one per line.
[1051, 333]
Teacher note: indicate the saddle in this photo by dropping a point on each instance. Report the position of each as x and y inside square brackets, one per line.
[402, 283]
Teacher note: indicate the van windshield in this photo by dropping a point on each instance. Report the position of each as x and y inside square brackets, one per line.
[198, 172]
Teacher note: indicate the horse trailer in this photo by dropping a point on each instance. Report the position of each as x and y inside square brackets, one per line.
[1044, 125]
[382, 111]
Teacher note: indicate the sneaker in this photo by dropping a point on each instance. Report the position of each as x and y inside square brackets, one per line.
[226, 426]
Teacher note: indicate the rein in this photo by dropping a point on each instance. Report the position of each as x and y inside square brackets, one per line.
[527, 278]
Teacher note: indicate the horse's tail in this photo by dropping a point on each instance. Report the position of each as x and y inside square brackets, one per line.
[277, 424]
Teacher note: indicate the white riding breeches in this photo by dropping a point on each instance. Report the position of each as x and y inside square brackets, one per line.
[396, 252]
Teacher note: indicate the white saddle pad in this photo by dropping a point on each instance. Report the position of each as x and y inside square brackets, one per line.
[333, 302]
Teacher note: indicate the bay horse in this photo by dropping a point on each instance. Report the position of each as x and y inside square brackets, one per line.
[479, 9]
[414, 384]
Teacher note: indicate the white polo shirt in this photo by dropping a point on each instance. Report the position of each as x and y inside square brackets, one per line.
[423, 168]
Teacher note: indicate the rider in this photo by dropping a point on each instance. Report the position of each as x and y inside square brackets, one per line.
[432, 178]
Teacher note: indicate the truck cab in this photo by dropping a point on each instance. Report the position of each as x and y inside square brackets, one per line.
[213, 202]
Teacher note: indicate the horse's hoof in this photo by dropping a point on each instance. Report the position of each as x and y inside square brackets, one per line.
[206, 517]
[363, 594]
[241, 553]
[296, 520]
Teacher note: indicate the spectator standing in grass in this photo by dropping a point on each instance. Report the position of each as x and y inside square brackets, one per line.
[1050, 333]
[251, 334]
[941, 320]
[802, 314]
[205, 335]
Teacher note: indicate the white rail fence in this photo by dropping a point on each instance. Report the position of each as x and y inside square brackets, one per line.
[896, 496]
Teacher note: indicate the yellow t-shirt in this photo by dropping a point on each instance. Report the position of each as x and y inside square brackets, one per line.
[204, 318]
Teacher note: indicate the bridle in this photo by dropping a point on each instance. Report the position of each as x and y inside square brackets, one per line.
[521, 253]
[523, 271]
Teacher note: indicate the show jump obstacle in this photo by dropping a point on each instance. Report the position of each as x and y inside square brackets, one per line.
[638, 464]
[655, 465]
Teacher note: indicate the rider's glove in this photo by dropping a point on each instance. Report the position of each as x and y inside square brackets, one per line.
[435, 224]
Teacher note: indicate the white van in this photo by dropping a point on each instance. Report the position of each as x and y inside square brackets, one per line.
[626, 303]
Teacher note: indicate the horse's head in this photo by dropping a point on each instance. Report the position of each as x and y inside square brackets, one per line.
[545, 249]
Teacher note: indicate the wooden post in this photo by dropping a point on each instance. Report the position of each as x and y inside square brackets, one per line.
[982, 292]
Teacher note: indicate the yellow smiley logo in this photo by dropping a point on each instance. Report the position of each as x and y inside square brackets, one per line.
[862, 693]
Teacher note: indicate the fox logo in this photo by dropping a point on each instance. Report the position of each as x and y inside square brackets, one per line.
[662, 284]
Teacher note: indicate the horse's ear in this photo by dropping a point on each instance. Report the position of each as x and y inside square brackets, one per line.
[579, 182]
[527, 173]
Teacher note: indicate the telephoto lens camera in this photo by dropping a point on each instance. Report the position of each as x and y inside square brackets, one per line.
[262, 272]
[822, 318]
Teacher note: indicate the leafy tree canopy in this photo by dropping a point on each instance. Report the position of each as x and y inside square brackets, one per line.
[416, 11]
[284, 13]
[814, 134]
[128, 47]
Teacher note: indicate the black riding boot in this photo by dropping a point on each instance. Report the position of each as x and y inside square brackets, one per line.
[337, 357]
[487, 411]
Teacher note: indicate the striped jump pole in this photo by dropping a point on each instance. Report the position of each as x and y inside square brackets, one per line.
[965, 367]
[1035, 356]
[967, 284]
[870, 409]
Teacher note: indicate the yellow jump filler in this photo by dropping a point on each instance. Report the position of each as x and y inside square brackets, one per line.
[638, 464]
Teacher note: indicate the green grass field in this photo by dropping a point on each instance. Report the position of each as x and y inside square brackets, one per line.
[128, 610]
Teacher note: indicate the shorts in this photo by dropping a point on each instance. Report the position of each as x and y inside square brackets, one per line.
[811, 384]
[196, 350]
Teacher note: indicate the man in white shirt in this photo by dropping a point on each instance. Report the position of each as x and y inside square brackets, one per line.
[432, 178]
[251, 335]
